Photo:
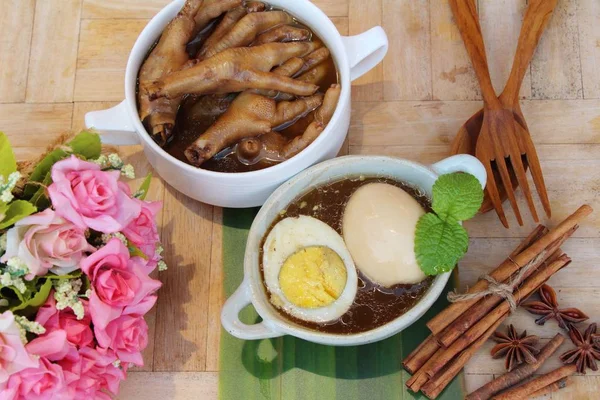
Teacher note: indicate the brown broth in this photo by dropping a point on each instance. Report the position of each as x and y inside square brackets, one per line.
[189, 125]
[374, 305]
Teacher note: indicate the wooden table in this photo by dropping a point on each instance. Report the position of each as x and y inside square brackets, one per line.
[62, 58]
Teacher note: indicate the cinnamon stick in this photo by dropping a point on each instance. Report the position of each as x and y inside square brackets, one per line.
[484, 305]
[438, 383]
[532, 386]
[418, 357]
[444, 356]
[556, 386]
[517, 375]
[507, 268]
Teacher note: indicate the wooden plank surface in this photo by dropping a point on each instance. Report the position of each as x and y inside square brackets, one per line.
[62, 58]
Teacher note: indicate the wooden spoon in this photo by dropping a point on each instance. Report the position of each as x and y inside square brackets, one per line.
[534, 23]
[498, 142]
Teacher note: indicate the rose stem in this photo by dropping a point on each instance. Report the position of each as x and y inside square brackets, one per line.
[523, 391]
[556, 386]
[517, 375]
[499, 313]
[419, 356]
[481, 308]
[438, 383]
[506, 269]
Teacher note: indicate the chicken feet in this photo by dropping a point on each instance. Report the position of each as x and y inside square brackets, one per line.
[235, 70]
[283, 34]
[169, 55]
[245, 31]
[250, 114]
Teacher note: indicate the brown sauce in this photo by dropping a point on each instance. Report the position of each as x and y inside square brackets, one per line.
[374, 305]
[197, 114]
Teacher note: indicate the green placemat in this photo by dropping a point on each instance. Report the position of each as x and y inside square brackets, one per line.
[287, 368]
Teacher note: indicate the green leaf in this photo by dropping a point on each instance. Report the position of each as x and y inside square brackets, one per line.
[457, 196]
[143, 190]
[42, 170]
[439, 244]
[38, 299]
[8, 163]
[86, 144]
[134, 251]
[16, 211]
[40, 198]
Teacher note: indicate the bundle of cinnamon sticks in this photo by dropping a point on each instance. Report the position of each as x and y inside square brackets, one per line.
[464, 326]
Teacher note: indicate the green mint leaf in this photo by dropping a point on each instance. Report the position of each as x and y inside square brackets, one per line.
[42, 170]
[439, 244]
[457, 196]
[37, 299]
[8, 163]
[16, 211]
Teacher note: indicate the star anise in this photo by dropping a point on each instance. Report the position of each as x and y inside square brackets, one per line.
[586, 352]
[516, 348]
[548, 309]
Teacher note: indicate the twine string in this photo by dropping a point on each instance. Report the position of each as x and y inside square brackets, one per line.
[503, 290]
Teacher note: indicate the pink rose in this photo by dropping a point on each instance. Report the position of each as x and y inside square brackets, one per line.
[142, 231]
[52, 346]
[91, 198]
[92, 373]
[118, 281]
[45, 241]
[127, 336]
[78, 332]
[13, 355]
[46, 382]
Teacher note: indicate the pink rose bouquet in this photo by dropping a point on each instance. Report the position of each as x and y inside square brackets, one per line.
[77, 250]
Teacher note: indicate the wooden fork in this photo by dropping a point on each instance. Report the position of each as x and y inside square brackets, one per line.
[498, 141]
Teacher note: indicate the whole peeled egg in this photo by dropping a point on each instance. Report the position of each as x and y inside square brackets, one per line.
[378, 225]
[308, 270]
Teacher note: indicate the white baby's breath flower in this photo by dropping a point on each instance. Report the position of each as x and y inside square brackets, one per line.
[102, 161]
[66, 295]
[159, 249]
[117, 363]
[7, 186]
[115, 161]
[6, 196]
[162, 266]
[88, 293]
[107, 236]
[26, 325]
[6, 279]
[17, 267]
[128, 172]
[4, 303]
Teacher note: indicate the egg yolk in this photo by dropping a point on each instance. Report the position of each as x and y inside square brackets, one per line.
[313, 277]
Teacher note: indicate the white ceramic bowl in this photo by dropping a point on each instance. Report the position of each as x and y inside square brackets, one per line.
[251, 291]
[121, 125]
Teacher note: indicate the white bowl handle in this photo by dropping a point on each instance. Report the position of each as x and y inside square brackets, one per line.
[114, 125]
[365, 50]
[462, 163]
[231, 321]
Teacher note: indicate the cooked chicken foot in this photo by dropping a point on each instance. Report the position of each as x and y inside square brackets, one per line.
[212, 9]
[246, 30]
[168, 55]
[274, 146]
[255, 6]
[231, 18]
[250, 114]
[235, 70]
[283, 34]
[322, 117]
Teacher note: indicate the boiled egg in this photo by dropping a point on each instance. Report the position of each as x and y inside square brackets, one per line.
[378, 225]
[308, 270]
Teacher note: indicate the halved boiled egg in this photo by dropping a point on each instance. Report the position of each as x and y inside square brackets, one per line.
[308, 270]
